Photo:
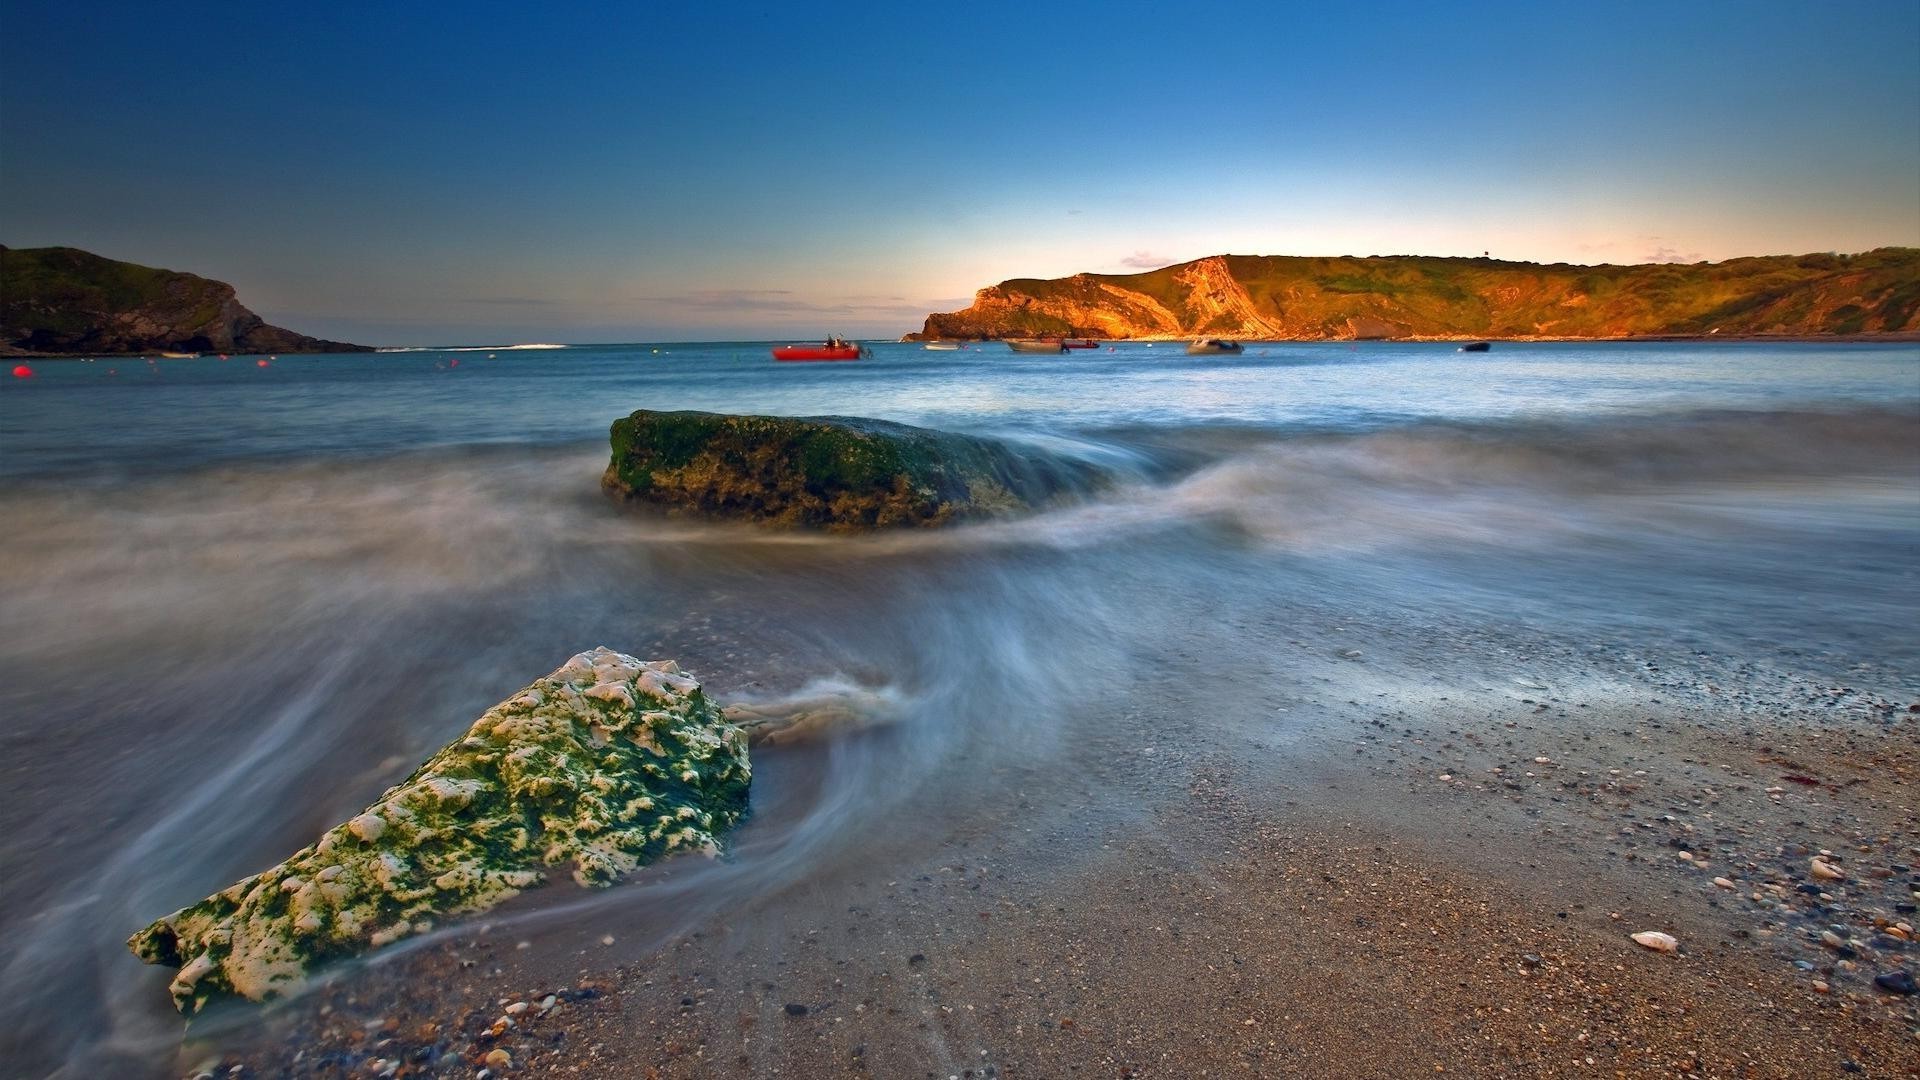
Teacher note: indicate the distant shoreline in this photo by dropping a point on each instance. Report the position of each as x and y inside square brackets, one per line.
[1902, 337]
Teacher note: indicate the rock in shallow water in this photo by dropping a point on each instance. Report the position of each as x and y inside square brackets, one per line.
[608, 764]
[834, 472]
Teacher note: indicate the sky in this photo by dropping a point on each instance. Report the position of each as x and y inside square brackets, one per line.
[442, 173]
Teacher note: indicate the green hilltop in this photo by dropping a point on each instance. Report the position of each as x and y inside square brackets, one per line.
[1407, 296]
[60, 300]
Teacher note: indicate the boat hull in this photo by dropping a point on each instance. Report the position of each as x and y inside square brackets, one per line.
[815, 352]
[1037, 346]
[1209, 348]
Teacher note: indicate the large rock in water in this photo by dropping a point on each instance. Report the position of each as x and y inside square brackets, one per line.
[832, 472]
[608, 763]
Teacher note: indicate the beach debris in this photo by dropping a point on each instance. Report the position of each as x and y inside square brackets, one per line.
[1657, 941]
[1825, 870]
[606, 764]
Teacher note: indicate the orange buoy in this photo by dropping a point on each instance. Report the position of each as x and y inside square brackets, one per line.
[260, 363]
[22, 371]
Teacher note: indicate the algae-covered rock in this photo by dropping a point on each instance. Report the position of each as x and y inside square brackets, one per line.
[833, 472]
[608, 764]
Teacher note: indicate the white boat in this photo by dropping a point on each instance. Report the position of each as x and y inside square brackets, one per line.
[941, 346]
[1204, 346]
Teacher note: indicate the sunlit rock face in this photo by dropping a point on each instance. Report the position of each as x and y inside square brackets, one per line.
[605, 765]
[837, 473]
[1305, 299]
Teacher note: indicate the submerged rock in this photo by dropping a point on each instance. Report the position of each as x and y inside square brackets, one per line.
[836, 472]
[607, 764]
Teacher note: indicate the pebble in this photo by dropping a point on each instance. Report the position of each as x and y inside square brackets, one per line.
[794, 1008]
[1896, 982]
[1832, 940]
[1657, 941]
[606, 939]
[517, 1008]
[1725, 883]
[1820, 868]
[499, 1059]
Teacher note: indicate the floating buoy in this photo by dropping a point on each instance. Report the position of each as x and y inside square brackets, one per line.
[455, 362]
[259, 363]
[22, 371]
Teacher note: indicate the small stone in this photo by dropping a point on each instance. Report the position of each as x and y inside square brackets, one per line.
[1657, 941]
[606, 939]
[1824, 870]
[1725, 883]
[1832, 940]
[1896, 982]
[794, 1008]
[499, 1059]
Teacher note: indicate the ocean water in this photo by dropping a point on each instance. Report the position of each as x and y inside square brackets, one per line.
[237, 601]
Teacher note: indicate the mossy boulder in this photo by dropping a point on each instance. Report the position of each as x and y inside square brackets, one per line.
[829, 472]
[607, 764]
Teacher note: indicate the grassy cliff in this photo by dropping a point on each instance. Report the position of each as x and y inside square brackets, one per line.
[1400, 296]
[64, 300]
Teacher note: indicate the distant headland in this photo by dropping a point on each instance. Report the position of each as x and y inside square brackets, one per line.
[59, 301]
[1412, 297]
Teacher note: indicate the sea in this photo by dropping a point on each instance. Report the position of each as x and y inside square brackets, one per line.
[239, 597]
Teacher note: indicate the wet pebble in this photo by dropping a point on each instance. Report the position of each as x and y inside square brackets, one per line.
[1657, 941]
[1896, 982]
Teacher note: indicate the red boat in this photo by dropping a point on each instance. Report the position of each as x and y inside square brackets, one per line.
[832, 349]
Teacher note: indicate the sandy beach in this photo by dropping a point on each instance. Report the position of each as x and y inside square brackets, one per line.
[1439, 878]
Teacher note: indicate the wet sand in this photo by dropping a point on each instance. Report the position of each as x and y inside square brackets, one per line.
[1396, 886]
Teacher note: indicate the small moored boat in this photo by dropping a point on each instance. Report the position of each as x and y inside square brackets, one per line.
[1031, 345]
[941, 346]
[1204, 346]
[1476, 346]
[834, 348]
[1083, 343]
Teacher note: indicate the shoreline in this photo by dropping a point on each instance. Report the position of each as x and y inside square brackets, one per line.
[1468, 865]
[1901, 338]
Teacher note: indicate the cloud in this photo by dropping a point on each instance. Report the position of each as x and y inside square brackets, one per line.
[1665, 254]
[788, 302]
[1147, 260]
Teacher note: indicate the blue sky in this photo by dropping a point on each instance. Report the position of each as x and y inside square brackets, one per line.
[438, 172]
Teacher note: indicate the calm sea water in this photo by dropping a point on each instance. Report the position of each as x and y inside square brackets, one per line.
[238, 601]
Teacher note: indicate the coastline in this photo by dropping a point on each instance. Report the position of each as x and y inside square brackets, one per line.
[1896, 338]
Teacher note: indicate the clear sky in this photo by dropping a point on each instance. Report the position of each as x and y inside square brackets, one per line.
[426, 172]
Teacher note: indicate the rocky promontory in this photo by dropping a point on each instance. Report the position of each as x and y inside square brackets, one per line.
[833, 472]
[1383, 297]
[57, 301]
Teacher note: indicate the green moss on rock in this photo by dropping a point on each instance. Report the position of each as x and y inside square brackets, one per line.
[842, 473]
[607, 764]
